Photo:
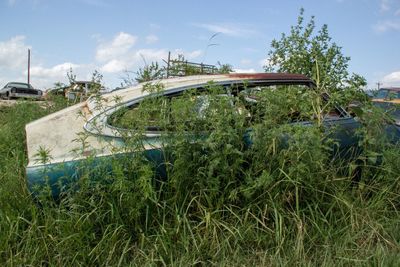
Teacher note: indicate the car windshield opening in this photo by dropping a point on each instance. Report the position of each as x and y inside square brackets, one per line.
[198, 109]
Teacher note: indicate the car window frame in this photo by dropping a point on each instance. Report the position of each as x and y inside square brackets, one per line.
[107, 130]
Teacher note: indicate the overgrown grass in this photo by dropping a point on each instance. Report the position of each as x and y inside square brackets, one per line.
[272, 201]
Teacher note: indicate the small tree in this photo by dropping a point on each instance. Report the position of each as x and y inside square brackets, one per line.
[177, 67]
[150, 72]
[314, 55]
[71, 76]
[224, 68]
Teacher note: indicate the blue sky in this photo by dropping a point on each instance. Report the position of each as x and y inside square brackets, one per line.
[114, 36]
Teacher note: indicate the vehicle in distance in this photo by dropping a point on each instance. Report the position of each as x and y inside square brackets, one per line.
[387, 95]
[77, 91]
[389, 100]
[19, 90]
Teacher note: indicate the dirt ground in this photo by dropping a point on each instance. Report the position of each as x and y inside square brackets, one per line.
[7, 103]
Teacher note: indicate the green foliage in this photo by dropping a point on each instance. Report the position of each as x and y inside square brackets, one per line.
[224, 68]
[71, 76]
[278, 201]
[313, 54]
[150, 72]
[232, 178]
[178, 67]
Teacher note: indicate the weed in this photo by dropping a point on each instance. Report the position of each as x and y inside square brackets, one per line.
[239, 185]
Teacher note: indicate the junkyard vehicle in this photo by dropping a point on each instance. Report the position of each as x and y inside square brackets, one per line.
[389, 100]
[77, 91]
[387, 95]
[20, 90]
[81, 90]
[103, 121]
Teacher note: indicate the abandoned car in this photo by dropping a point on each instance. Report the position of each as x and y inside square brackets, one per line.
[387, 95]
[103, 121]
[20, 90]
[77, 91]
[389, 100]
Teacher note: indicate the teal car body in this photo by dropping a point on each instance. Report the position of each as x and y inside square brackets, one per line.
[58, 133]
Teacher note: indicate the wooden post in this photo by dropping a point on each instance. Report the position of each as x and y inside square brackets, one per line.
[169, 59]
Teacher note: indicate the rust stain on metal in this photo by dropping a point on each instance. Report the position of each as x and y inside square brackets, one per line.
[85, 109]
[87, 153]
[270, 76]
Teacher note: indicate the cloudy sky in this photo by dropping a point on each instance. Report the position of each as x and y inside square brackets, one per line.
[118, 36]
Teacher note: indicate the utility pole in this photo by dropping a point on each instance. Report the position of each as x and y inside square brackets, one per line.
[29, 66]
[379, 85]
[169, 60]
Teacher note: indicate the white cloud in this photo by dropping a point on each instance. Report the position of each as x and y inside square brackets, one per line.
[263, 62]
[244, 70]
[13, 53]
[392, 79]
[252, 66]
[387, 25]
[135, 58]
[245, 61]
[43, 77]
[188, 55]
[149, 55]
[111, 58]
[390, 9]
[113, 66]
[194, 54]
[55, 71]
[234, 30]
[119, 46]
[390, 6]
[120, 54]
[151, 39]
[384, 5]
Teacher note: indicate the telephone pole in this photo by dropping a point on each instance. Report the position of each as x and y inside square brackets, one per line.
[29, 66]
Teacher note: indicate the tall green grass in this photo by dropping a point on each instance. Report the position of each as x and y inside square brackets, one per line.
[277, 201]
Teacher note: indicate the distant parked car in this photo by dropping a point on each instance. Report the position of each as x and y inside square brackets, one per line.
[387, 95]
[371, 93]
[389, 100]
[78, 91]
[20, 90]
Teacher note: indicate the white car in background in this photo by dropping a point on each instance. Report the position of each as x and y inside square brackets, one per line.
[20, 90]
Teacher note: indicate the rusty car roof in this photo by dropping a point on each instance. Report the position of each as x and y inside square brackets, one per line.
[397, 89]
[276, 78]
[271, 76]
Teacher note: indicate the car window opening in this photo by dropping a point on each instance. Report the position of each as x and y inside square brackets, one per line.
[196, 108]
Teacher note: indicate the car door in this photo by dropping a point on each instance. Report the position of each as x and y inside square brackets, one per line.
[344, 130]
